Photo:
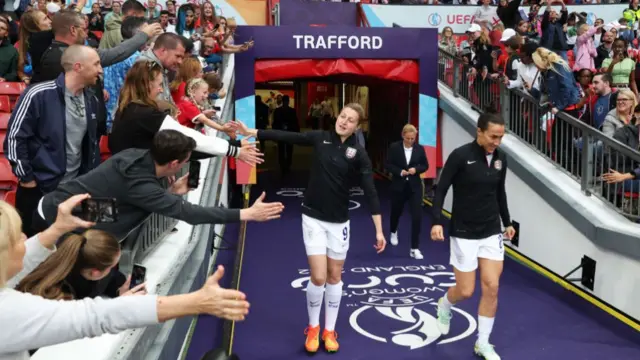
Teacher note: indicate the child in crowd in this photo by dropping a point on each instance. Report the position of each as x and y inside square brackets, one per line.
[191, 107]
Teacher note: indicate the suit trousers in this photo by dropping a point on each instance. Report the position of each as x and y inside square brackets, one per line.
[398, 198]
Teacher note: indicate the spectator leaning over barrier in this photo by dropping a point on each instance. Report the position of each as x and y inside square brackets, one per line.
[528, 75]
[8, 55]
[133, 177]
[31, 322]
[563, 95]
[51, 136]
[168, 52]
[139, 117]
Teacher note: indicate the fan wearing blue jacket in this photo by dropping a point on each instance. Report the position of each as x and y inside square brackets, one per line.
[52, 133]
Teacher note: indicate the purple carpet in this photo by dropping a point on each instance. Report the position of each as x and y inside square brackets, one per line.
[389, 308]
[208, 332]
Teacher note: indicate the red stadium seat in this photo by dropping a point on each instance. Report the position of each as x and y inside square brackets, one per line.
[4, 120]
[10, 197]
[12, 88]
[105, 152]
[7, 180]
[3, 134]
[5, 103]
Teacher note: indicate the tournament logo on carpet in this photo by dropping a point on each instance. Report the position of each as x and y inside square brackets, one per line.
[397, 305]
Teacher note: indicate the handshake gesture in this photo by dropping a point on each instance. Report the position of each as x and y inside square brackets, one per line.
[261, 211]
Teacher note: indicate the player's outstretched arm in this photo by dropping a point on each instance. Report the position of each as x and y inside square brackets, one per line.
[292, 137]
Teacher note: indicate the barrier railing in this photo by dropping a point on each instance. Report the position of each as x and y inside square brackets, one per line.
[580, 150]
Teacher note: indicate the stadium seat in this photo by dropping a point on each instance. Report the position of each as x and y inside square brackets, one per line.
[10, 197]
[5, 103]
[105, 153]
[13, 91]
[3, 134]
[4, 120]
[8, 181]
[12, 88]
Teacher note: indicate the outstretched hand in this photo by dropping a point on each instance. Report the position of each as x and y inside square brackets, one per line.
[241, 128]
[250, 154]
[262, 211]
[223, 303]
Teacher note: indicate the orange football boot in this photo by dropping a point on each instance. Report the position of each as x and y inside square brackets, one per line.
[313, 338]
[330, 340]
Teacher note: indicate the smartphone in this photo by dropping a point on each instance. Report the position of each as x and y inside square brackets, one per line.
[194, 174]
[138, 275]
[217, 108]
[216, 27]
[99, 210]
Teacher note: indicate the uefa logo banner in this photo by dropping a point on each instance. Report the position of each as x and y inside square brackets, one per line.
[397, 305]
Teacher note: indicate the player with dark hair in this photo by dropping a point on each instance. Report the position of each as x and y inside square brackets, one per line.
[325, 213]
[477, 172]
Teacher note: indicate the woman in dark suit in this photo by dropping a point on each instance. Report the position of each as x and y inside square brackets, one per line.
[406, 160]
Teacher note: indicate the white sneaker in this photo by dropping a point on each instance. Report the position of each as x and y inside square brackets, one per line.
[444, 318]
[394, 238]
[416, 254]
[486, 351]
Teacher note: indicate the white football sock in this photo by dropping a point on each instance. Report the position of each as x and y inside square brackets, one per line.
[446, 304]
[485, 325]
[332, 296]
[314, 303]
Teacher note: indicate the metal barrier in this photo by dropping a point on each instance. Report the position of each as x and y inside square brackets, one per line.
[581, 151]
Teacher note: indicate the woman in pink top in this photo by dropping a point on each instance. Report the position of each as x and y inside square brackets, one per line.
[585, 50]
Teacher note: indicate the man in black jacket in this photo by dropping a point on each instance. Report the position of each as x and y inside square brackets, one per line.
[406, 160]
[477, 172]
[68, 27]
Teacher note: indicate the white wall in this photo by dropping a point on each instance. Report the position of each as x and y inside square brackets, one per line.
[549, 239]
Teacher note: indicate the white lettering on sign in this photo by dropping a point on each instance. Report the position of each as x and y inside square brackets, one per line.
[338, 42]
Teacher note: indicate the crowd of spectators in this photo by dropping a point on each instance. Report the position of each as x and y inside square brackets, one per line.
[141, 84]
[585, 68]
